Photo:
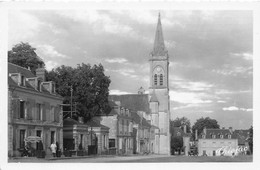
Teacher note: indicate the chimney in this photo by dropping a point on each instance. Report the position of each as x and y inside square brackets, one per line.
[196, 134]
[40, 72]
[230, 129]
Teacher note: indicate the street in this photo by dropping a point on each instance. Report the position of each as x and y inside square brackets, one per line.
[136, 159]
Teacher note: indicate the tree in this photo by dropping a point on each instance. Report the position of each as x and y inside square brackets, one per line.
[90, 88]
[204, 122]
[176, 144]
[24, 55]
[179, 122]
[250, 139]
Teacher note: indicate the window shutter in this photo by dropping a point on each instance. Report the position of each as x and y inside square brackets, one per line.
[31, 105]
[47, 110]
[44, 111]
[16, 108]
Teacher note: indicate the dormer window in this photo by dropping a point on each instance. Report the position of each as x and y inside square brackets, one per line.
[203, 136]
[221, 136]
[39, 85]
[22, 83]
[229, 136]
[213, 136]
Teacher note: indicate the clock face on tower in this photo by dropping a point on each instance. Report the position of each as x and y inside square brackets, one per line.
[158, 69]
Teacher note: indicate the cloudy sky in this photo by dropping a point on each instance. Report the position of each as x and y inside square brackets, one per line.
[211, 63]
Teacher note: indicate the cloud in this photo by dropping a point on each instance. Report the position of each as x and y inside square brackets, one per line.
[188, 97]
[50, 52]
[221, 101]
[50, 65]
[117, 92]
[116, 60]
[245, 56]
[234, 108]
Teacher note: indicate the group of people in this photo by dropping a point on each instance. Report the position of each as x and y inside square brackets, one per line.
[55, 149]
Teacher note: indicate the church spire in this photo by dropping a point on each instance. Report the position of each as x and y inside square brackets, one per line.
[159, 48]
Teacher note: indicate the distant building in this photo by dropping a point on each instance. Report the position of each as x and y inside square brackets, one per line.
[243, 137]
[33, 110]
[210, 142]
[120, 124]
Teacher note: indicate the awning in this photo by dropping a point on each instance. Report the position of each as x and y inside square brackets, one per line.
[33, 139]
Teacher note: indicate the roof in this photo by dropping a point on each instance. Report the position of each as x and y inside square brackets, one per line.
[69, 121]
[217, 133]
[159, 47]
[92, 123]
[135, 102]
[242, 136]
[13, 68]
[137, 119]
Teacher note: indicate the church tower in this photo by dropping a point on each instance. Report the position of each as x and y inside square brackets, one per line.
[159, 92]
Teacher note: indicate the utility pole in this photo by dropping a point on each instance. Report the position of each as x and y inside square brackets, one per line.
[71, 92]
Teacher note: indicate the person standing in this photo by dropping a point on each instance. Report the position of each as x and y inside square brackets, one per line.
[53, 149]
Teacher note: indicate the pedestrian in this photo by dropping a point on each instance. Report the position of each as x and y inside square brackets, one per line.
[53, 149]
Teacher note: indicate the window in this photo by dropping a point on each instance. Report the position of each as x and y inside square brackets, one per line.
[22, 136]
[213, 136]
[56, 116]
[161, 79]
[39, 85]
[155, 79]
[38, 111]
[22, 109]
[22, 81]
[38, 133]
[52, 136]
[229, 136]
[104, 141]
[52, 114]
[112, 143]
[221, 136]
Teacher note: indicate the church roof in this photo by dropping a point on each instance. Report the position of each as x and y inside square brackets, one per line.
[159, 47]
[135, 102]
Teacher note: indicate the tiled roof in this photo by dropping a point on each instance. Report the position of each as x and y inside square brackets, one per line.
[12, 68]
[217, 133]
[137, 119]
[92, 123]
[69, 121]
[135, 102]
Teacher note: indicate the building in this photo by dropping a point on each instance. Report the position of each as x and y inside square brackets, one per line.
[159, 91]
[33, 110]
[120, 124]
[99, 136]
[216, 142]
[75, 135]
[182, 132]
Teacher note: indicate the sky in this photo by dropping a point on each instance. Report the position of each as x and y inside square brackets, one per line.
[210, 53]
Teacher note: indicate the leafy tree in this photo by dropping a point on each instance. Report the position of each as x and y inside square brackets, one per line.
[24, 55]
[204, 122]
[250, 140]
[178, 122]
[90, 88]
[176, 144]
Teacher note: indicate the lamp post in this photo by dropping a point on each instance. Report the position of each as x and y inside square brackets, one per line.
[71, 92]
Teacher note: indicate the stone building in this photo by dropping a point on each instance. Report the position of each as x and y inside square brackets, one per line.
[75, 133]
[120, 124]
[210, 141]
[33, 110]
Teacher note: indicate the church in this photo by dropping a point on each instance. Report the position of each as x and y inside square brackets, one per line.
[155, 106]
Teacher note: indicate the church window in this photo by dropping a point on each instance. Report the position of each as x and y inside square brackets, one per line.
[161, 79]
[155, 79]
